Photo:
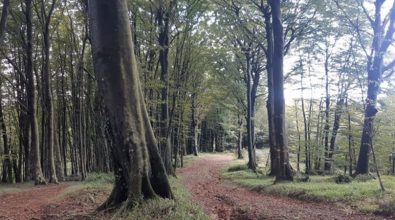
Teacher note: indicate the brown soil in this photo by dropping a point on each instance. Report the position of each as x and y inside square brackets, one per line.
[219, 199]
[51, 202]
[222, 200]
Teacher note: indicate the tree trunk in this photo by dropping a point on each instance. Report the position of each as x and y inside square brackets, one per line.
[240, 138]
[299, 137]
[336, 125]
[31, 96]
[284, 171]
[48, 107]
[194, 126]
[7, 162]
[269, 104]
[381, 42]
[139, 170]
[163, 17]
[250, 148]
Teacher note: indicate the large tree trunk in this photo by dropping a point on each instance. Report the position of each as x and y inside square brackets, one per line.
[31, 97]
[163, 17]
[381, 42]
[139, 170]
[47, 99]
[269, 104]
[284, 171]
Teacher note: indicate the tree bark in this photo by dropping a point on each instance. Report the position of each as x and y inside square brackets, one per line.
[139, 170]
[31, 96]
[163, 17]
[284, 171]
[48, 107]
[381, 42]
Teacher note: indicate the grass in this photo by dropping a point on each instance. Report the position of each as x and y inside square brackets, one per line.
[366, 194]
[10, 188]
[180, 208]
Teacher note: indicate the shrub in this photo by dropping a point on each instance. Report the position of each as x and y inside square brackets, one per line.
[343, 179]
[238, 168]
[300, 177]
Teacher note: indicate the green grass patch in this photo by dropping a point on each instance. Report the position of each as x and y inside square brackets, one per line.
[99, 179]
[10, 188]
[364, 194]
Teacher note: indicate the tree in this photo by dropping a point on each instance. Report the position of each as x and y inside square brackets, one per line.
[284, 171]
[139, 170]
[164, 13]
[47, 99]
[31, 94]
[383, 32]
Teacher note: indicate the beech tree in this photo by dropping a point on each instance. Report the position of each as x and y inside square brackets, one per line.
[139, 170]
[382, 29]
[284, 170]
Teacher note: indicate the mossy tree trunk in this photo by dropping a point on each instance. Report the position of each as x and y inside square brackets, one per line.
[139, 170]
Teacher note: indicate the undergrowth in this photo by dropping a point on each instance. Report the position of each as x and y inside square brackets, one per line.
[180, 208]
[362, 193]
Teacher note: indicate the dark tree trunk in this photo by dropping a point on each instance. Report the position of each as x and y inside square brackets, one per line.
[250, 141]
[7, 166]
[299, 138]
[269, 104]
[284, 171]
[31, 97]
[48, 107]
[240, 138]
[139, 170]
[163, 17]
[381, 42]
[7, 162]
[327, 109]
[336, 125]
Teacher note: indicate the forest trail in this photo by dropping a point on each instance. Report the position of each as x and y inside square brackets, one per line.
[49, 202]
[222, 200]
[28, 203]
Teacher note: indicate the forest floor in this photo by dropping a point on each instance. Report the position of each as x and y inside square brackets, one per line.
[62, 201]
[219, 199]
[224, 200]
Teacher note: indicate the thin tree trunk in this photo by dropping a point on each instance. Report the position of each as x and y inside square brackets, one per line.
[299, 137]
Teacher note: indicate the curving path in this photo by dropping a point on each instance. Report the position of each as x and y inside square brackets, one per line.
[222, 200]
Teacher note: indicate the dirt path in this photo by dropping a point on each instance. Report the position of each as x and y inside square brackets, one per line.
[228, 201]
[27, 203]
[52, 202]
